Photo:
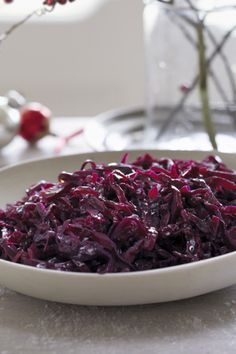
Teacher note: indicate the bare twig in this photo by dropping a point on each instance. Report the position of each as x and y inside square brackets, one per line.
[203, 77]
[165, 125]
[186, 18]
[226, 63]
[192, 7]
[184, 30]
[217, 83]
[203, 86]
[14, 27]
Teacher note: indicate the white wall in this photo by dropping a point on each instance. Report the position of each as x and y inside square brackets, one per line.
[79, 68]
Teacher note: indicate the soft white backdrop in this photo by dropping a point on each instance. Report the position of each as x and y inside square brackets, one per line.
[79, 67]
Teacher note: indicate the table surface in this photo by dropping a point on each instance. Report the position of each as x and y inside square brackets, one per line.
[205, 324]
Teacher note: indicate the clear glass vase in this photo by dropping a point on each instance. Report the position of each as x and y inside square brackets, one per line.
[191, 74]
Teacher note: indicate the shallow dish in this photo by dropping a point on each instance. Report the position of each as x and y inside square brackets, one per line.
[167, 284]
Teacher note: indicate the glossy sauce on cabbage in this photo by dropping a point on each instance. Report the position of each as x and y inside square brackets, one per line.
[123, 217]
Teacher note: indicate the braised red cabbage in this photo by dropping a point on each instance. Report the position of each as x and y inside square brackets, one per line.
[124, 217]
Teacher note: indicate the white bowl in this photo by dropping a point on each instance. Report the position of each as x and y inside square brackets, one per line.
[167, 284]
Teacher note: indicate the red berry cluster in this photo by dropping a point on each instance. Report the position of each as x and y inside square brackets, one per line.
[54, 2]
[47, 2]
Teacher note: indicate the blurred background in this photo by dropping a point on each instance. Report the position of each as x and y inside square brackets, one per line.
[81, 59]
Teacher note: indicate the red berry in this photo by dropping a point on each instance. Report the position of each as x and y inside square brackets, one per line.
[34, 122]
[49, 2]
[184, 88]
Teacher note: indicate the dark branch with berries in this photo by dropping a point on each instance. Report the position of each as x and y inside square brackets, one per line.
[47, 6]
[47, 2]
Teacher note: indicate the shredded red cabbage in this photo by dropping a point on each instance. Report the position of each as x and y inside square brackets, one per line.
[123, 217]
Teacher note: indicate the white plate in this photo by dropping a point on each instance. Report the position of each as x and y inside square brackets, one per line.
[152, 286]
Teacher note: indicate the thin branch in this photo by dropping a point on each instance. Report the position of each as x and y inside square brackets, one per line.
[203, 87]
[185, 17]
[226, 63]
[217, 82]
[165, 125]
[220, 90]
[192, 7]
[185, 32]
[194, 10]
[14, 27]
